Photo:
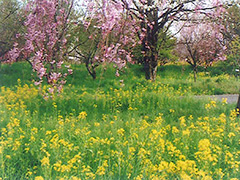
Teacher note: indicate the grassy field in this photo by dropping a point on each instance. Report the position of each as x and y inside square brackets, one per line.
[214, 80]
[119, 127]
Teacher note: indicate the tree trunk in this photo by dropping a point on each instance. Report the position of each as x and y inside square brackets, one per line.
[195, 73]
[93, 74]
[150, 68]
[195, 76]
[91, 71]
[238, 105]
[150, 64]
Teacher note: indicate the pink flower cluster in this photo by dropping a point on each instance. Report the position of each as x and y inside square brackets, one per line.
[118, 32]
[45, 42]
[203, 42]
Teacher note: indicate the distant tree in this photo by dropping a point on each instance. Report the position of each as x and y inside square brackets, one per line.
[201, 45]
[11, 24]
[234, 53]
[231, 34]
[99, 41]
[231, 19]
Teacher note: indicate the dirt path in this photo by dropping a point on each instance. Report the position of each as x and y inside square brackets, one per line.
[231, 98]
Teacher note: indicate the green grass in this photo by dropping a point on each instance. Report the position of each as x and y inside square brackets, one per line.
[175, 79]
[213, 80]
[102, 129]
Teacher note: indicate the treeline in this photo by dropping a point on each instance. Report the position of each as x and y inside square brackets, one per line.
[150, 33]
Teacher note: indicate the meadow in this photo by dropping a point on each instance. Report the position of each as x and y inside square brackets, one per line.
[119, 127]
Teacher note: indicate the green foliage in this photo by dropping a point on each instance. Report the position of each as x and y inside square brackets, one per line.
[10, 24]
[232, 18]
[232, 35]
[165, 47]
[235, 52]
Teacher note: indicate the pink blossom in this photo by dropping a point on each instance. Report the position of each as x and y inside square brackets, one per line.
[51, 90]
[37, 83]
[203, 40]
[60, 88]
[59, 64]
[117, 73]
[70, 71]
[44, 28]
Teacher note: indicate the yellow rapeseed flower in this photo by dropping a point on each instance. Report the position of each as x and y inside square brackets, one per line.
[184, 176]
[121, 132]
[75, 178]
[104, 117]
[96, 124]
[175, 130]
[86, 169]
[34, 130]
[190, 117]
[45, 161]
[29, 173]
[231, 134]
[130, 108]
[182, 121]
[100, 170]
[224, 100]
[207, 178]
[48, 133]
[82, 115]
[163, 166]
[131, 150]
[39, 178]
[204, 144]
[186, 132]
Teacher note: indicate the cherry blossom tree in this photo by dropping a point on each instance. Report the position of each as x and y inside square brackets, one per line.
[46, 25]
[146, 19]
[114, 32]
[84, 49]
[201, 45]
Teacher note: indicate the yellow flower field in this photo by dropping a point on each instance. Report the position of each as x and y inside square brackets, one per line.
[119, 143]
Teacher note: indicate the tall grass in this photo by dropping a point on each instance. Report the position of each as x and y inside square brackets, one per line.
[112, 129]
